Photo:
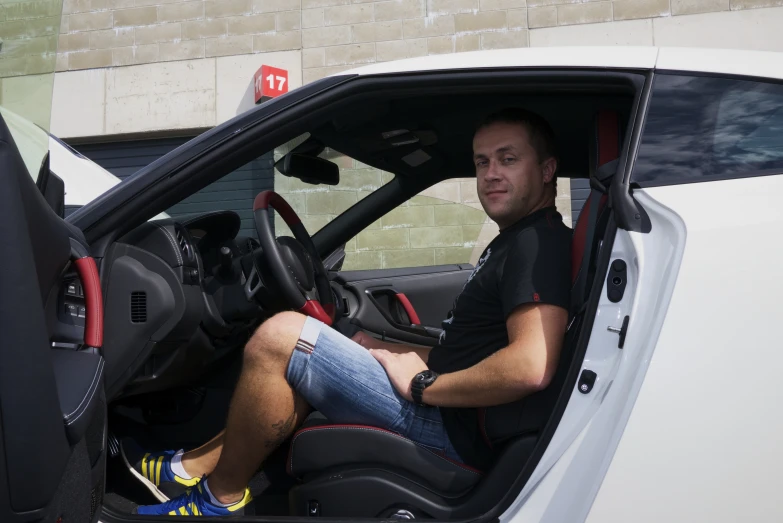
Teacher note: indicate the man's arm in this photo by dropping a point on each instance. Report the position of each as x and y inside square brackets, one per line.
[368, 342]
[525, 366]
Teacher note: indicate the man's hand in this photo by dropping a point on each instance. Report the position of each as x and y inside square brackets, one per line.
[363, 339]
[401, 369]
[369, 342]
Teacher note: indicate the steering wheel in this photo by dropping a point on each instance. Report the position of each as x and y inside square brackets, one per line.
[294, 264]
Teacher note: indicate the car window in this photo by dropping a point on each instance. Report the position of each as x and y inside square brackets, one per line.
[317, 205]
[702, 128]
[749, 127]
[443, 225]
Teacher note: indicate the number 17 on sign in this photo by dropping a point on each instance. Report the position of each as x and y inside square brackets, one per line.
[269, 82]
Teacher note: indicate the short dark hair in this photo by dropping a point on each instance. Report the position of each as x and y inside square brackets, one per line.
[542, 137]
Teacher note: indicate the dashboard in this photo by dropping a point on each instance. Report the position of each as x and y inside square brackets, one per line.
[174, 302]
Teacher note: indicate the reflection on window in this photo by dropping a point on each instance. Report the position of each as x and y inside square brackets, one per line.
[437, 227]
[750, 127]
[701, 128]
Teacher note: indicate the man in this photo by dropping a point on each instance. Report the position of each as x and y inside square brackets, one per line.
[501, 342]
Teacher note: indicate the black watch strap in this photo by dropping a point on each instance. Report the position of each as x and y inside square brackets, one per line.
[421, 381]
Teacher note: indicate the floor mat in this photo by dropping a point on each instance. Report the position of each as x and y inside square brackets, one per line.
[123, 490]
[118, 503]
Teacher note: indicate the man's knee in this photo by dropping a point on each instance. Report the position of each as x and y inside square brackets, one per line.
[275, 339]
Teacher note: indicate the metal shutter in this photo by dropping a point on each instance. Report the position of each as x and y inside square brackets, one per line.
[234, 192]
[125, 158]
[580, 191]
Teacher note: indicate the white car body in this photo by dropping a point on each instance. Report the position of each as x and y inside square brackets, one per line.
[723, 61]
[683, 423]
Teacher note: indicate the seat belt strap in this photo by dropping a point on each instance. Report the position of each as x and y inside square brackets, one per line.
[578, 297]
[598, 188]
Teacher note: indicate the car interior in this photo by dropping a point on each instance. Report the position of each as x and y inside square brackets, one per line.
[182, 295]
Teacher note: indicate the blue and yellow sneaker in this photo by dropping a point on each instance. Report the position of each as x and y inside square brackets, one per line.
[196, 502]
[153, 469]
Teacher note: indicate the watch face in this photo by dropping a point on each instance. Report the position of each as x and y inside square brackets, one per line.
[425, 376]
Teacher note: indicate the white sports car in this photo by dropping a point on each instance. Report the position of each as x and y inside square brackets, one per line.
[665, 404]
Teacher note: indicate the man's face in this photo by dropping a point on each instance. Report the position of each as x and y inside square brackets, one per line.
[511, 180]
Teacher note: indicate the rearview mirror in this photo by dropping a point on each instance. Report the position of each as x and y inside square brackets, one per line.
[309, 169]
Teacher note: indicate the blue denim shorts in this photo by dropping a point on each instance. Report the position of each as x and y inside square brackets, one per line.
[342, 380]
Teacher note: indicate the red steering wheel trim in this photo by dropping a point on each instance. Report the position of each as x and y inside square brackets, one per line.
[263, 201]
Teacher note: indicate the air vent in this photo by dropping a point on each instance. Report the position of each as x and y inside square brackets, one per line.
[182, 241]
[138, 307]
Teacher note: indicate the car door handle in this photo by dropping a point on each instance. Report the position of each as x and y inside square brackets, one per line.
[384, 299]
[408, 307]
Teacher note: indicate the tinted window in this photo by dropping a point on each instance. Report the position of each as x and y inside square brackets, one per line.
[701, 128]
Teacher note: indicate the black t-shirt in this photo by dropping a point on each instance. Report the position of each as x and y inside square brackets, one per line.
[526, 263]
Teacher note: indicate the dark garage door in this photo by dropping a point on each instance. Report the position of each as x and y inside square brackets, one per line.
[234, 192]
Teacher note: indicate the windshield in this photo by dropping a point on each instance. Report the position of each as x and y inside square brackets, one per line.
[28, 53]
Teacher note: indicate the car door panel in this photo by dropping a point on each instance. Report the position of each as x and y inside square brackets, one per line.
[373, 304]
[41, 470]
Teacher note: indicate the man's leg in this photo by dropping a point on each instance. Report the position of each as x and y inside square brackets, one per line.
[201, 461]
[264, 411]
[332, 373]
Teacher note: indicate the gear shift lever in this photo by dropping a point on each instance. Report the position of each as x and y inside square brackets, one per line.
[226, 262]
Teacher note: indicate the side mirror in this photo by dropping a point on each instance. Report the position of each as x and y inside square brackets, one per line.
[309, 169]
[52, 188]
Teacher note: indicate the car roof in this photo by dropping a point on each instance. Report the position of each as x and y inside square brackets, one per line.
[720, 61]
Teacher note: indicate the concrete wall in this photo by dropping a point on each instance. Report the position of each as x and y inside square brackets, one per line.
[188, 94]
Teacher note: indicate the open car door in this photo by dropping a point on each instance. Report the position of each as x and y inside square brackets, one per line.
[52, 406]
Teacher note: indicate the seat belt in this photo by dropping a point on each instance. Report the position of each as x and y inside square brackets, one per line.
[577, 295]
[598, 189]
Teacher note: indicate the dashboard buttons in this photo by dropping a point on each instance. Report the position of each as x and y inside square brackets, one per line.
[71, 310]
[73, 289]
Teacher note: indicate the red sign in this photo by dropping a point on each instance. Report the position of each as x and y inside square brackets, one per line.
[269, 82]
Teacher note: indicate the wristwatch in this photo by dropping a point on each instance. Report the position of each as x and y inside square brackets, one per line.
[420, 382]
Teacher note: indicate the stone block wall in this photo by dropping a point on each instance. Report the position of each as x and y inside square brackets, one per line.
[28, 50]
[333, 35]
[29, 33]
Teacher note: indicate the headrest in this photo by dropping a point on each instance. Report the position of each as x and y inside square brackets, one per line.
[606, 141]
[605, 144]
